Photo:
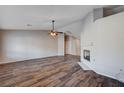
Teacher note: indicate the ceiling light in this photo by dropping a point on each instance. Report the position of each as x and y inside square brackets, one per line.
[53, 32]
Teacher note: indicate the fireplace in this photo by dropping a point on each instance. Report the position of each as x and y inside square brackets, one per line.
[86, 54]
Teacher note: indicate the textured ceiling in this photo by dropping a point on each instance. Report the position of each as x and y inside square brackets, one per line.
[38, 17]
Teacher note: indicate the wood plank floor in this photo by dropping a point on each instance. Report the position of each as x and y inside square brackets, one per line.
[51, 72]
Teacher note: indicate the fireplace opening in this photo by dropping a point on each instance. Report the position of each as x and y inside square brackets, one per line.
[86, 55]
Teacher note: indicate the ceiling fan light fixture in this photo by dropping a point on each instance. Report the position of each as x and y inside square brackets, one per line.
[53, 32]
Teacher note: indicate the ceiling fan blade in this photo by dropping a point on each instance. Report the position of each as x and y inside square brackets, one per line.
[60, 32]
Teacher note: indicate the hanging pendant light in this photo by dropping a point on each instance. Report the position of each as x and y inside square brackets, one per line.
[53, 32]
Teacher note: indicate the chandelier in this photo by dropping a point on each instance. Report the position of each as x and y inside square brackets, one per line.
[53, 32]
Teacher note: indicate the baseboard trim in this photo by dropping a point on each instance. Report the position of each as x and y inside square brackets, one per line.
[85, 67]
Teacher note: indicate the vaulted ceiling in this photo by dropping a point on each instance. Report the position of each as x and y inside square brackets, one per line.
[38, 17]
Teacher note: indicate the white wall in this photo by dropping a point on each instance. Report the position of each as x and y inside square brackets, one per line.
[88, 36]
[69, 45]
[105, 39]
[21, 45]
[75, 28]
[61, 45]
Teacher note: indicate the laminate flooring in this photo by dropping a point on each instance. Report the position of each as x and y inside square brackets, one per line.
[57, 71]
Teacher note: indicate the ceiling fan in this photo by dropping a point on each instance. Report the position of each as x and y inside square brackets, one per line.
[53, 32]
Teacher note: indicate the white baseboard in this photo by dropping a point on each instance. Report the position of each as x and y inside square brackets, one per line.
[83, 66]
